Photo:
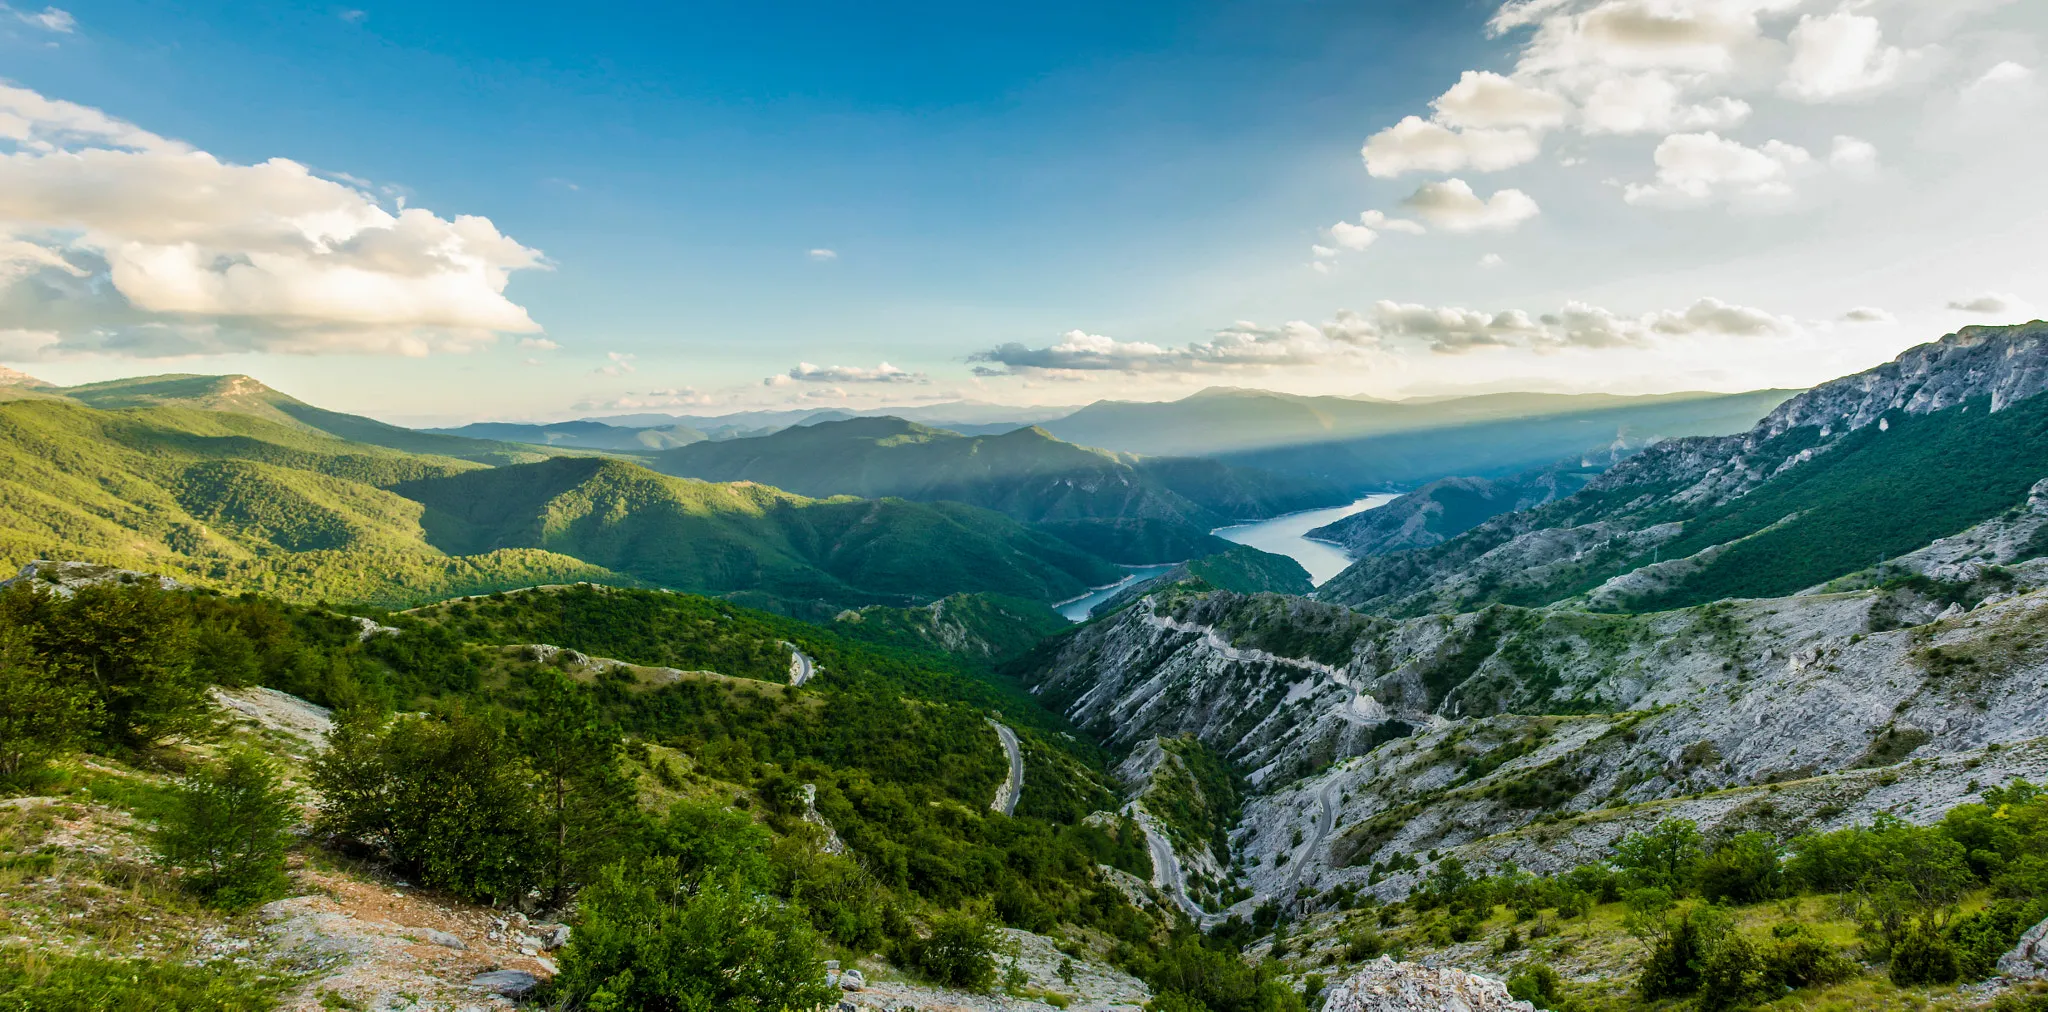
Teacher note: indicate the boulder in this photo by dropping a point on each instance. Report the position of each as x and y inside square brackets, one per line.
[852, 980]
[1387, 986]
[445, 939]
[510, 983]
[2028, 960]
[558, 937]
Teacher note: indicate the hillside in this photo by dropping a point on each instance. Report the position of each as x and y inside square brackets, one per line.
[239, 500]
[1130, 509]
[728, 538]
[244, 395]
[582, 435]
[1448, 507]
[1857, 470]
[1259, 426]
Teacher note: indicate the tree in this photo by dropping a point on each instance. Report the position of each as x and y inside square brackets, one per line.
[585, 798]
[40, 715]
[230, 826]
[447, 799]
[648, 940]
[1663, 856]
[131, 646]
[1743, 869]
[960, 951]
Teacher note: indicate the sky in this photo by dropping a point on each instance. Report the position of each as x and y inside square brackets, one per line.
[442, 212]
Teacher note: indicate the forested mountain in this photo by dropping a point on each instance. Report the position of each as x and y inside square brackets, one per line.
[1448, 507]
[582, 435]
[1852, 472]
[234, 497]
[1131, 509]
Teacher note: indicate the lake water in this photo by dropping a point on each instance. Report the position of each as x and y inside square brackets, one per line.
[1078, 609]
[1284, 535]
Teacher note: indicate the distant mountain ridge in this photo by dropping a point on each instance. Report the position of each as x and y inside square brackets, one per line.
[1128, 508]
[1448, 507]
[1865, 467]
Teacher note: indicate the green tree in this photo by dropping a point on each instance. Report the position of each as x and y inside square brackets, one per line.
[40, 715]
[960, 951]
[447, 799]
[1663, 856]
[130, 645]
[586, 799]
[229, 827]
[647, 939]
[1742, 869]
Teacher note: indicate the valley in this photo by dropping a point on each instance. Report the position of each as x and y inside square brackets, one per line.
[1104, 729]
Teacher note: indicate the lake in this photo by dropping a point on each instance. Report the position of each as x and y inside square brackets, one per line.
[1283, 535]
[1078, 609]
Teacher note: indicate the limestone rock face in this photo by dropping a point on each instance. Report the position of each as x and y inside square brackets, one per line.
[1387, 986]
[2028, 960]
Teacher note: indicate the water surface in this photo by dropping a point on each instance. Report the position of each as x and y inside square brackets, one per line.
[1285, 535]
[1078, 609]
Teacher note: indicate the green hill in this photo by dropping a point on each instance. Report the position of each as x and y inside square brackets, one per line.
[581, 435]
[1128, 508]
[242, 498]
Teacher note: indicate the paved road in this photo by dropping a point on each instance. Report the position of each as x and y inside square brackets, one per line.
[800, 667]
[1006, 795]
[1326, 820]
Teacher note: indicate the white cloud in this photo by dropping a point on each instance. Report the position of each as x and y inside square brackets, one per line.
[353, 16]
[49, 19]
[1487, 101]
[1696, 36]
[1712, 317]
[1841, 56]
[538, 344]
[1868, 314]
[167, 250]
[1417, 145]
[1346, 235]
[2003, 97]
[1452, 206]
[1700, 167]
[1990, 304]
[1653, 103]
[1243, 346]
[805, 372]
[1853, 154]
[823, 254]
[621, 363]
[1491, 260]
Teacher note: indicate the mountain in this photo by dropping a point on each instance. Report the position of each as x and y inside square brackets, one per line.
[1448, 507]
[747, 538]
[1131, 509]
[17, 378]
[244, 395]
[251, 498]
[981, 417]
[1362, 443]
[580, 435]
[1859, 469]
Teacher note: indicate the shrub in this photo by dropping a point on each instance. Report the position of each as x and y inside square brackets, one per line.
[40, 714]
[959, 951]
[229, 827]
[1681, 941]
[1662, 857]
[33, 981]
[647, 939]
[1743, 869]
[1799, 958]
[1923, 956]
[1732, 975]
[1539, 985]
[131, 644]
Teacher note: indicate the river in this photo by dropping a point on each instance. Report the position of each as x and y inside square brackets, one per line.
[1078, 609]
[1284, 535]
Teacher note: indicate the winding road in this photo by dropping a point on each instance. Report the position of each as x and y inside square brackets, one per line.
[1326, 821]
[1006, 795]
[800, 667]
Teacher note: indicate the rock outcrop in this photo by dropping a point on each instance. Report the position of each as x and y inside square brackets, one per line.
[1387, 986]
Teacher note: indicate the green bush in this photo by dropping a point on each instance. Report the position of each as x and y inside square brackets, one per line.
[1681, 940]
[229, 827]
[131, 644]
[1798, 958]
[959, 951]
[1541, 986]
[1732, 975]
[447, 800]
[1742, 869]
[647, 939]
[40, 715]
[1923, 956]
[1663, 857]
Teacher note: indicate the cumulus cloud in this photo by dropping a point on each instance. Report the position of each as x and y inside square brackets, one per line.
[124, 242]
[1654, 103]
[805, 372]
[1990, 304]
[538, 344]
[1705, 166]
[1487, 101]
[1491, 260]
[1418, 145]
[1242, 346]
[823, 254]
[1841, 56]
[1452, 206]
[1360, 235]
[1868, 314]
[619, 363]
[1441, 329]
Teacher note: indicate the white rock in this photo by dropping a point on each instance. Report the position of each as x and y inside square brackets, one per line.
[2028, 960]
[1387, 986]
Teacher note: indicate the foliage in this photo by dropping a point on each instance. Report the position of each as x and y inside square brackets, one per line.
[959, 951]
[584, 797]
[447, 800]
[647, 938]
[1664, 857]
[41, 715]
[1742, 869]
[229, 828]
[32, 981]
[1186, 973]
[131, 645]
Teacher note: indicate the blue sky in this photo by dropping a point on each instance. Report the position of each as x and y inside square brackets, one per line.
[1137, 177]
